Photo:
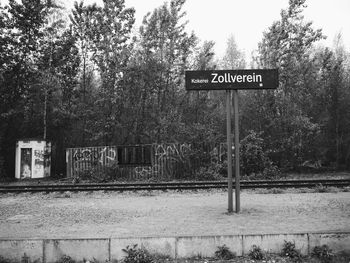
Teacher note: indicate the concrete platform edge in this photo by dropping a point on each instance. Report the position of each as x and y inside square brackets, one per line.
[111, 248]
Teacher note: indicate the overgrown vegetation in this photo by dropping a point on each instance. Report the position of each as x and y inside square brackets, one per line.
[289, 250]
[66, 259]
[256, 253]
[5, 260]
[289, 254]
[137, 255]
[88, 81]
[323, 253]
[223, 252]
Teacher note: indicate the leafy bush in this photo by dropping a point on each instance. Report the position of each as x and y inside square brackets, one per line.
[256, 253]
[4, 260]
[207, 174]
[224, 253]
[323, 253]
[66, 259]
[252, 156]
[254, 160]
[276, 191]
[291, 252]
[137, 255]
[101, 174]
[271, 171]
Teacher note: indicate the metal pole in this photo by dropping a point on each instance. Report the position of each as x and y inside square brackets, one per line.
[229, 151]
[237, 176]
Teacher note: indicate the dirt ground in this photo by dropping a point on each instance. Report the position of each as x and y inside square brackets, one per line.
[100, 214]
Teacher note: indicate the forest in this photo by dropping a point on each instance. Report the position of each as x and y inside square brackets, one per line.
[88, 77]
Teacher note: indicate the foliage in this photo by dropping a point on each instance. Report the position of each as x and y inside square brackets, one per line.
[96, 80]
[271, 171]
[233, 58]
[256, 253]
[137, 255]
[223, 252]
[5, 260]
[290, 132]
[252, 156]
[324, 253]
[66, 259]
[290, 251]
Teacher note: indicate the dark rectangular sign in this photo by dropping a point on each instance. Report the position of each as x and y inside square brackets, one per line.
[231, 79]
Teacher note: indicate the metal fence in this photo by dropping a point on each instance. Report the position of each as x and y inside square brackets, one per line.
[166, 161]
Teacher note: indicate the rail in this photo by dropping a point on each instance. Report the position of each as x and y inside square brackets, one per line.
[121, 187]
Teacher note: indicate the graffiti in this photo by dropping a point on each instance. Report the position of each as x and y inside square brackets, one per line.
[107, 154]
[94, 156]
[174, 151]
[164, 161]
[39, 158]
[173, 159]
[146, 171]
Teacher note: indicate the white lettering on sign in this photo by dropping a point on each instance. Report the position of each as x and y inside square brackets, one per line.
[199, 81]
[229, 78]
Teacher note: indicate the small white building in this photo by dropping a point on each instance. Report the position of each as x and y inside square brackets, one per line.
[33, 158]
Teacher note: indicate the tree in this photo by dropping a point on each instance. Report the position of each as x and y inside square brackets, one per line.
[204, 59]
[332, 108]
[109, 32]
[233, 58]
[21, 36]
[281, 115]
[165, 48]
[81, 19]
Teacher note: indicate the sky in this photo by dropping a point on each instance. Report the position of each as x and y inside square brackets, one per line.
[246, 20]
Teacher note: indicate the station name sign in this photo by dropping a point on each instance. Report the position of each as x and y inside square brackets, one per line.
[231, 79]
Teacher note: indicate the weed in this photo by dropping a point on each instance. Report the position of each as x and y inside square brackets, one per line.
[137, 255]
[320, 188]
[195, 258]
[323, 253]
[277, 191]
[66, 259]
[256, 253]
[291, 252]
[225, 253]
[4, 260]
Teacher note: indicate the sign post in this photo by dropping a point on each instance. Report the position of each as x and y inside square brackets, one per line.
[236, 136]
[232, 80]
[229, 151]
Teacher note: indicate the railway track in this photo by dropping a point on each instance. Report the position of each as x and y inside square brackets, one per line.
[172, 186]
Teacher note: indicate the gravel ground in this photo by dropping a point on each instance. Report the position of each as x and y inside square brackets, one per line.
[100, 214]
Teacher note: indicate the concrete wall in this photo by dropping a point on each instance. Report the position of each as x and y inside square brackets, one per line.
[50, 250]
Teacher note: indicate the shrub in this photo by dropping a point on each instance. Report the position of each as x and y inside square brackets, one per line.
[66, 259]
[277, 191]
[255, 160]
[252, 156]
[256, 253]
[137, 255]
[206, 174]
[224, 253]
[323, 253]
[4, 260]
[291, 252]
[320, 188]
[271, 171]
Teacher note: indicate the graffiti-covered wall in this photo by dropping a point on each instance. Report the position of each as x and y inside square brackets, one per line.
[164, 161]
